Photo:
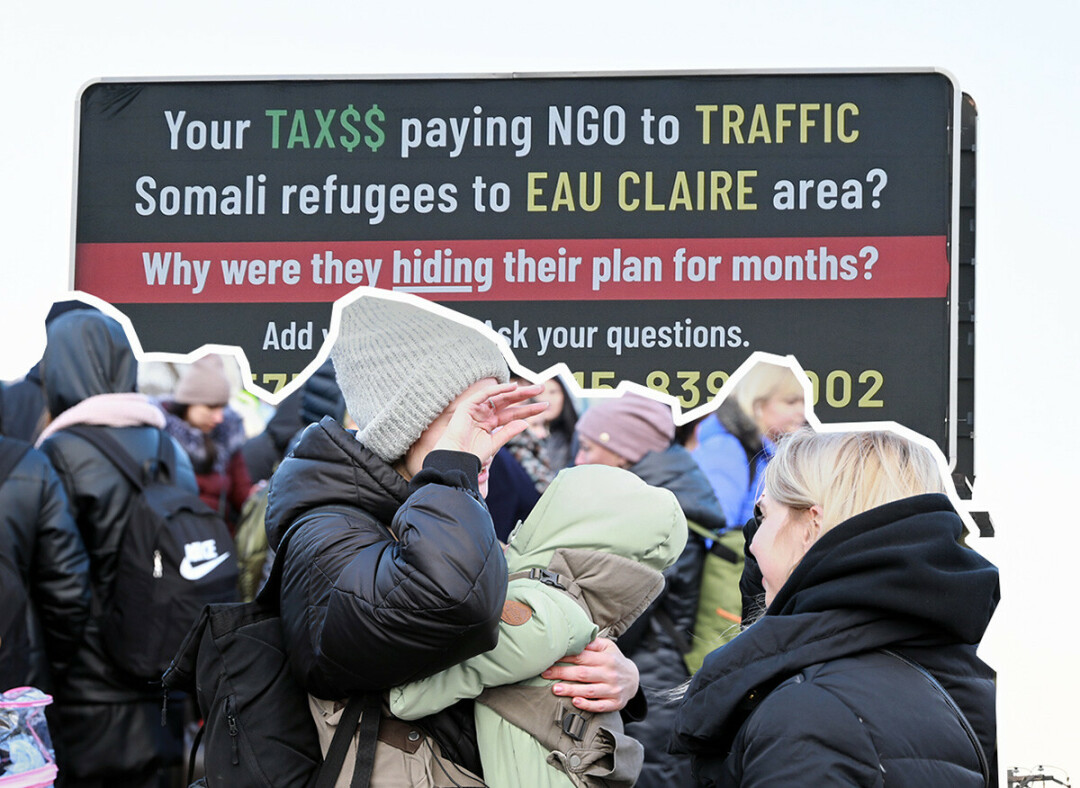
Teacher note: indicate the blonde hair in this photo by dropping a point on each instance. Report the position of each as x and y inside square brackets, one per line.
[848, 473]
[764, 381]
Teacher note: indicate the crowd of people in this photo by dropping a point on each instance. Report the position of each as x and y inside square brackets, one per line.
[743, 601]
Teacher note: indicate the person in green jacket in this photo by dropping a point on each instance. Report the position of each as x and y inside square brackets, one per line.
[586, 562]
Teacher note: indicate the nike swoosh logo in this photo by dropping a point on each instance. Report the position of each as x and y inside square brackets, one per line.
[189, 572]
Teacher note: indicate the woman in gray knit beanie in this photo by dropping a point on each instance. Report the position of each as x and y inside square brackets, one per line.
[415, 381]
[395, 572]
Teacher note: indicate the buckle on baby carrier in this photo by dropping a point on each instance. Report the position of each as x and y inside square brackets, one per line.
[547, 577]
[573, 725]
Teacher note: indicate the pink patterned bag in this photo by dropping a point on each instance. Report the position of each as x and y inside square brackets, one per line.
[26, 752]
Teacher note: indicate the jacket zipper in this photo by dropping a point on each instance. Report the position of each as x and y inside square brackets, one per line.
[234, 730]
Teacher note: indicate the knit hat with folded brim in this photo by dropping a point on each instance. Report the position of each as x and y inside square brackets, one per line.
[400, 365]
[631, 426]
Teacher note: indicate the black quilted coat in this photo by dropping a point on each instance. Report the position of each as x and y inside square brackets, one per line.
[385, 581]
[807, 696]
[105, 724]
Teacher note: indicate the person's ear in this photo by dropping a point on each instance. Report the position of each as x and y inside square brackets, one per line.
[812, 531]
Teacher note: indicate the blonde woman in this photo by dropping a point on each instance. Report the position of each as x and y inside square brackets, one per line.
[734, 446]
[862, 671]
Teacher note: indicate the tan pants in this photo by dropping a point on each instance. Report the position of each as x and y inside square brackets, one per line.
[405, 757]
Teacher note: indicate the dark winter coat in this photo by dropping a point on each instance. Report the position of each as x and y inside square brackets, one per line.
[101, 497]
[511, 494]
[806, 696]
[23, 410]
[657, 641]
[263, 452]
[22, 407]
[40, 536]
[386, 581]
[318, 397]
[105, 721]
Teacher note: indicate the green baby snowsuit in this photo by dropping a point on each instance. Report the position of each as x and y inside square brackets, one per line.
[586, 562]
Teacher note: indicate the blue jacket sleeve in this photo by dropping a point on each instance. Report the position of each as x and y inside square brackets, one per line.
[723, 461]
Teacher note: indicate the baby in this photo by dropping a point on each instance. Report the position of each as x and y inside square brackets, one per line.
[585, 563]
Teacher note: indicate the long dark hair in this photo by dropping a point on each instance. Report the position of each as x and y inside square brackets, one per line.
[180, 410]
[566, 421]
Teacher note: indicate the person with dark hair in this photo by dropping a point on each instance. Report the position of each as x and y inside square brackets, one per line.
[200, 419]
[556, 426]
[512, 493]
[107, 727]
[863, 668]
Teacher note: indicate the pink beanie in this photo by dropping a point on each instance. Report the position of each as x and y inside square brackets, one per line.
[631, 426]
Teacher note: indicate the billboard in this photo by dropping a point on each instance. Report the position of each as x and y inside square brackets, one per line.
[650, 227]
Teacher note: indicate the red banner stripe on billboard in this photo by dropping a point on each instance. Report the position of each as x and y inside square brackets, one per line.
[518, 270]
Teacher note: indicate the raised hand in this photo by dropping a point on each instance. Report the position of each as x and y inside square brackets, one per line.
[484, 421]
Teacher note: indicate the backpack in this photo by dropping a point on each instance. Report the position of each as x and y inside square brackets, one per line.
[251, 543]
[14, 631]
[257, 729]
[719, 611]
[174, 557]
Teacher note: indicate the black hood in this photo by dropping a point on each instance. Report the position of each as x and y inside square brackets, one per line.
[902, 559]
[330, 467]
[894, 576]
[86, 354]
[676, 470]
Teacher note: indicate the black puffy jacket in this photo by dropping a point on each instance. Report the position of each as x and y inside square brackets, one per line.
[806, 696]
[658, 639]
[88, 355]
[45, 546]
[386, 581]
[104, 723]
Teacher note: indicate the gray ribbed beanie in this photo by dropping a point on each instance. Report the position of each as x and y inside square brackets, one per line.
[400, 365]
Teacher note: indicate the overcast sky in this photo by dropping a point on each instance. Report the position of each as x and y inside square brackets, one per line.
[1018, 60]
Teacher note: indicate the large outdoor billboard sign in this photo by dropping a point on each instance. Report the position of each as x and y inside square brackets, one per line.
[656, 228]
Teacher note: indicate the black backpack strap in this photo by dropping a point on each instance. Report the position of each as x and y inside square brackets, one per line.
[715, 547]
[952, 704]
[113, 450]
[12, 451]
[365, 710]
[270, 593]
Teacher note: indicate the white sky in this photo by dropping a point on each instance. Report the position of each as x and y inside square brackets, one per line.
[1018, 60]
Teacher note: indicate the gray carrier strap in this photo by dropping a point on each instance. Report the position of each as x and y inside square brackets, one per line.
[984, 766]
[589, 747]
[612, 590]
